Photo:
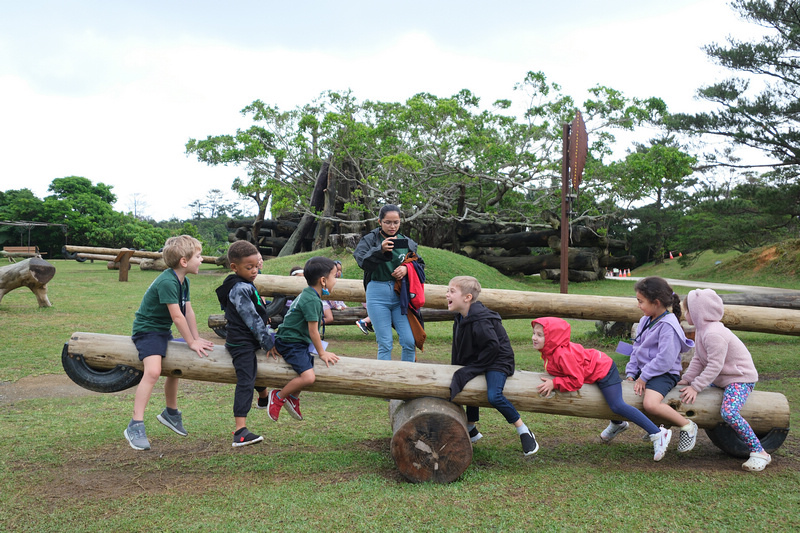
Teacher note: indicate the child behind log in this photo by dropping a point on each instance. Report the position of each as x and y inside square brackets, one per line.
[481, 344]
[165, 302]
[721, 360]
[247, 331]
[572, 365]
[299, 333]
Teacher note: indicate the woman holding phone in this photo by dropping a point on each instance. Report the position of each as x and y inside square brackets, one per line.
[380, 254]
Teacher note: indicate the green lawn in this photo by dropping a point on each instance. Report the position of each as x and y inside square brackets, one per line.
[66, 466]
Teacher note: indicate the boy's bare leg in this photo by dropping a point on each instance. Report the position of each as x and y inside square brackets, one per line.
[652, 403]
[152, 371]
[171, 392]
[302, 381]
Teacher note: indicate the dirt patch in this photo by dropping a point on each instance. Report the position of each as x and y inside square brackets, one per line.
[765, 258]
[46, 386]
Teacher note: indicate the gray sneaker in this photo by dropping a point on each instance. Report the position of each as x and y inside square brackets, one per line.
[173, 422]
[136, 436]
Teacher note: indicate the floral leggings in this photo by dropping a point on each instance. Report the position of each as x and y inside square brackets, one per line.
[733, 398]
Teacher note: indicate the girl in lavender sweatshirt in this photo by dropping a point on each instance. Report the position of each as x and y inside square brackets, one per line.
[721, 360]
[655, 365]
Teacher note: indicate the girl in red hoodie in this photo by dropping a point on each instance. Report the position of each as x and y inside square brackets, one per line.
[572, 365]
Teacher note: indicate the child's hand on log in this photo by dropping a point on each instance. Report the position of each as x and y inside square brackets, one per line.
[688, 395]
[638, 386]
[200, 346]
[546, 387]
[330, 358]
[274, 353]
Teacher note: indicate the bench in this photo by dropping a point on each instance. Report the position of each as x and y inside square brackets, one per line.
[21, 251]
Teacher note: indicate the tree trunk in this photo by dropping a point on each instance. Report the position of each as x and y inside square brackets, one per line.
[528, 304]
[33, 273]
[429, 439]
[296, 240]
[406, 381]
[324, 225]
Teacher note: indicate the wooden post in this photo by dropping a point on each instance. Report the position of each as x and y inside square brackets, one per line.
[124, 260]
[564, 280]
[429, 439]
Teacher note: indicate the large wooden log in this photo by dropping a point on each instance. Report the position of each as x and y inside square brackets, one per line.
[344, 317]
[115, 251]
[33, 273]
[522, 304]
[429, 439]
[406, 381]
[577, 276]
[533, 264]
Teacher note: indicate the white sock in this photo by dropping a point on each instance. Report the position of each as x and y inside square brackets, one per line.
[522, 429]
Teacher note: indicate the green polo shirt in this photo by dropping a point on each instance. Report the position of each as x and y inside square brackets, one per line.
[153, 314]
[307, 307]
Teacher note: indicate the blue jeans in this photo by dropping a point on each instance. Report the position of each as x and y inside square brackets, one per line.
[383, 308]
[495, 382]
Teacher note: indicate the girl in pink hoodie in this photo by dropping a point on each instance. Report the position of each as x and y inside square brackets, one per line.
[721, 360]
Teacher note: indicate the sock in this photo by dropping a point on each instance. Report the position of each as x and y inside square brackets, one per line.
[522, 429]
[133, 422]
[687, 427]
[172, 412]
[470, 426]
[240, 430]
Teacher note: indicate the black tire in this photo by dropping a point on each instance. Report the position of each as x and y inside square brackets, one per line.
[221, 331]
[277, 306]
[71, 255]
[117, 379]
[725, 438]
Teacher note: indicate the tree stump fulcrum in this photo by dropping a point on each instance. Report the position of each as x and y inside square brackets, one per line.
[33, 273]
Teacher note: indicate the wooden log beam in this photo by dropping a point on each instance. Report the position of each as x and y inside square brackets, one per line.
[406, 381]
[522, 304]
[115, 251]
[429, 439]
[33, 273]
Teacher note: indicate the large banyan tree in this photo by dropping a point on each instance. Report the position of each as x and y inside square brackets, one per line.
[450, 163]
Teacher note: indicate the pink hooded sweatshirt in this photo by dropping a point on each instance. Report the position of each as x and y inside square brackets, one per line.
[720, 357]
[570, 364]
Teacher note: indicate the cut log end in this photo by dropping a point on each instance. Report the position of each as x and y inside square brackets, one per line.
[430, 441]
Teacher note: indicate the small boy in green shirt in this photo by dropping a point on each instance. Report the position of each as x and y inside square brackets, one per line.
[299, 333]
[165, 302]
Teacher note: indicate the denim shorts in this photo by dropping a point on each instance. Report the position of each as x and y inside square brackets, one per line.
[295, 354]
[662, 384]
[152, 343]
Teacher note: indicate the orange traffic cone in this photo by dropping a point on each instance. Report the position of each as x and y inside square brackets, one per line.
[680, 254]
[670, 255]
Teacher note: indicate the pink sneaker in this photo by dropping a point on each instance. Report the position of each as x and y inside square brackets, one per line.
[292, 404]
[275, 404]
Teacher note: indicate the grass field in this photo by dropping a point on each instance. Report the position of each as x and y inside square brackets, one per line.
[65, 465]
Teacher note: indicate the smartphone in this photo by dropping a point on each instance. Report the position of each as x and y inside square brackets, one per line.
[400, 243]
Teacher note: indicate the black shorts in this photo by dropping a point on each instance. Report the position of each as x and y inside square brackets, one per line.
[663, 383]
[296, 355]
[152, 343]
[612, 378]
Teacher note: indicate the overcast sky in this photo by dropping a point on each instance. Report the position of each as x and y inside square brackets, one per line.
[111, 91]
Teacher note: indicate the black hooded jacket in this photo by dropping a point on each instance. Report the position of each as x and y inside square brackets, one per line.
[245, 313]
[480, 343]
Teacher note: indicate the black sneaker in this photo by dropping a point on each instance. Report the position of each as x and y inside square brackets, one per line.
[529, 444]
[243, 437]
[474, 435]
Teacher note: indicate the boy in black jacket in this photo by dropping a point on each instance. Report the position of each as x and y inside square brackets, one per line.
[481, 344]
[247, 331]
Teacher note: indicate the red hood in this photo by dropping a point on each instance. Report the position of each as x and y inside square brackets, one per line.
[556, 333]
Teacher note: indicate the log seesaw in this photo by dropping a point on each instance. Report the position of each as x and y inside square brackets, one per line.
[430, 440]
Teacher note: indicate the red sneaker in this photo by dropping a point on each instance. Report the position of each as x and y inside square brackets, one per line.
[275, 404]
[292, 405]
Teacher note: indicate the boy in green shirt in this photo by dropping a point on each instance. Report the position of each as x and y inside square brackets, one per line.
[165, 302]
[299, 333]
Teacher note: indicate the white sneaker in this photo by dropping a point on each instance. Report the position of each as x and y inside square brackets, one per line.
[687, 439]
[612, 431]
[660, 441]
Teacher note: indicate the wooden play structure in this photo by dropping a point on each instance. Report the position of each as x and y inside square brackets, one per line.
[122, 258]
[422, 449]
[33, 273]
